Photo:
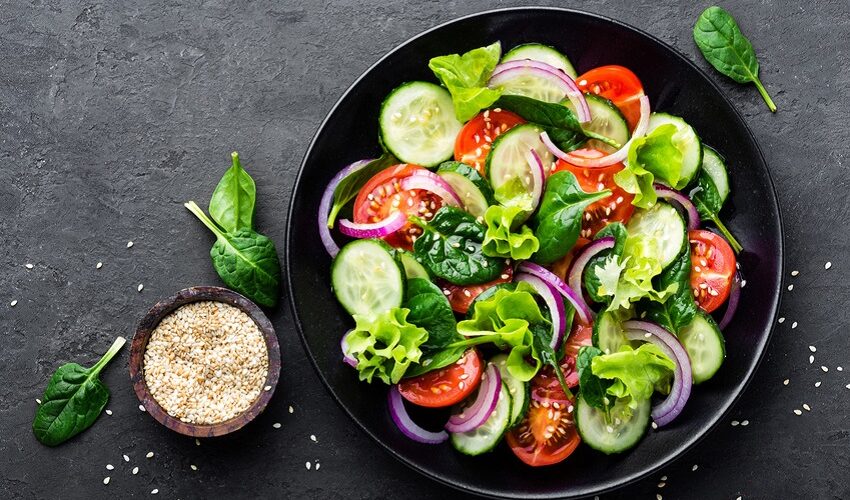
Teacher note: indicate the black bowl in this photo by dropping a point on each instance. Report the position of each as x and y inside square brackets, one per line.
[673, 84]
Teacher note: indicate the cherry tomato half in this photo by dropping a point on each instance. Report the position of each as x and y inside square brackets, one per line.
[617, 84]
[712, 268]
[477, 136]
[546, 435]
[446, 386]
[461, 297]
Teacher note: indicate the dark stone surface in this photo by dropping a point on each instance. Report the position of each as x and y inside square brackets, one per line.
[112, 114]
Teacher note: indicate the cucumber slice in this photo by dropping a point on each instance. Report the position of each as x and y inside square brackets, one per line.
[531, 84]
[663, 223]
[541, 53]
[418, 124]
[715, 167]
[488, 435]
[687, 141]
[705, 345]
[519, 390]
[607, 333]
[615, 435]
[507, 167]
[474, 191]
[366, 278]
[606, 120]
[412, 267]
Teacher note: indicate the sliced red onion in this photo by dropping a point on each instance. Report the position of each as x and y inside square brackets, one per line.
[583, 311]
[663, 413]
[671, 194]
[605, 161]
[513, 69]
[325, 205]
[407, 426]
[555, 304]
[587, 253]
[343, 345]
[485, 402]
[386, 227]
[538, 176]
[436, 185]
[732, 305]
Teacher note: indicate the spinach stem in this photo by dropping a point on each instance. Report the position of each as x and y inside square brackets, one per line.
[199, 213]
[736, 246]
[113, 350]
[483, 339]
[764, 95]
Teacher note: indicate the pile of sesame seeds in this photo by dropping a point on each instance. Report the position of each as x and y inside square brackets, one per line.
[206, 362]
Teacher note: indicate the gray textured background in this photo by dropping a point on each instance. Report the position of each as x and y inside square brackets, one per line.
[112, 114]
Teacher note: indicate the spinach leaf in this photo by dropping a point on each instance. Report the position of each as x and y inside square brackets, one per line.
[348, 187]
[450, 246]
[592, 280]
[245, 260]
[434, 360]
[708, 203]
[232, 202]
[558, 120]
[558, 220]
[430, 309]
[679, 308]
[593, 388]
[73, 400]
[466, 78]
[542, 336]
[727, 49]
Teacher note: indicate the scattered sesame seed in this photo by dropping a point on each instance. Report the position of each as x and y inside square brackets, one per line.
[318, 465]
[129, 244]
[276, 425]
[795, 273]
[154, 491]
[193, 466]
[291, 410]
[149, 455]
[807, 407]
[695, 467]
[743, 283]
[308, 465]
[739, 498]
[267, 388]
[313, 438]
[847, 386]
[142, 407]
[827, 265]
[106, 480]
[786, 382]
[813, 348]
[140, 287]
[811, 359]
[782, 319]
[37, 400]
[109, 467]
[735, 423]
[108, 411]
[790, 287]
[126, 458]
[28, 266]
[839, 368]
[663, 478]
[13, 303]
[745, 423]
[825, 369]
[658, 496]
[662, 484]
[135, 470]
[793, 325]
[797, 412]
[99, 265]
[654, 425]
[817, 384]
[197, 442]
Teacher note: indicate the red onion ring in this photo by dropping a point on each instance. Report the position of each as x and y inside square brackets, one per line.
[555, 304]
[538, 177]
[343, 345]
[663, 413]
[587, 253]
[406, 425]
[732, 305]
[380, 229]
[605, 161]
[583, 311]
[325, 205]
[437, 185]
[485, 402]
[670, 194]
[574, 93]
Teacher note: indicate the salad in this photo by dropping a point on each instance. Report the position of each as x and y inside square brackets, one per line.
[525, 257]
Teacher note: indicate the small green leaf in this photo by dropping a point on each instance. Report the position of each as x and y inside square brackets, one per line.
[466, 76]
[385, 345]
[430, 309]
[348, 187]
[558, 120]
[232, 202]
[503, 238]
[708, 204]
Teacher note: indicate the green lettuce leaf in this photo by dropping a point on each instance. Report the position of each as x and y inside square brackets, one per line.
[385, 346]
[657, 155]
[466, 76]
[502, 239]
[634, 372]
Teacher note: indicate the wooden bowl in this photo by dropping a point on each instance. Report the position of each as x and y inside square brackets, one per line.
[162, 309]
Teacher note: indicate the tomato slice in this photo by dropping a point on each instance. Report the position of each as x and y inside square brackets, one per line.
[461, 297]
[617, 84]
[546, 385]
[477, 136]
[713, 268]
[383, 195]
[546, 435]
[446, 386]
[615, 208]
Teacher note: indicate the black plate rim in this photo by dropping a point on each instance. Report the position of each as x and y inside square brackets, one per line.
[682, 448]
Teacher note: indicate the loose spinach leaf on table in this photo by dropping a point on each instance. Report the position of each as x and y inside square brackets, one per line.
[450, 247]
[430, 309]
[232, 202]
[73, 400]
[679, 309]
[593, 388]
[727, 49]
[348, 187]
[708, 203]
[558, 220]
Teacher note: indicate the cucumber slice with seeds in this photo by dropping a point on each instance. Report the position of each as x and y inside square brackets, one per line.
[615, 434]
[507, 167]
[715, 167]
[488, 435]
[606, 120]
[519, 390]
[607, 333]
[474, 191]
[686, 140]
[664, 224]
[366, 278]
[541, 53]
[412, 267]
[705, 346]
[418, 124]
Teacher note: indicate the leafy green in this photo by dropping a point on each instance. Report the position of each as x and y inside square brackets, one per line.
[385, 346]
[73, 400]
[633, 372]
[232, 202]
[245, 260]
[558, 220]
[450, 247]
[727, 49]
[679, 309]
[593, 273]
[434, 360]
[502, 239]
[655, 155]
[430, 309]
[466, 78]
[349, 186]
[593, 388]
[708, 203]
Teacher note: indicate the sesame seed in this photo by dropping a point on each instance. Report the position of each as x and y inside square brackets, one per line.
[662, 484]
[318, 465]
[797, 412]
[28, 266]
[129, 244]
[807, 407]
[663, 478]
[108, 411]
[37, 400]
[786, 382]
[811, 359]
[149, 455]
[308, 465]
[658, 496]
[197, 442]
[135, 470]
[505, 276]
[609, 428]
[109, 467]
[782, 319]
[743, 283]
[126, 458]
[695, 467]
[313, 439]
[291, 409]
[847, 386]
[654, 425]
[193, 466]
[106, 480]
[793, 325]
[795, 273]
[99, 265]
[839, 368]
[141, 407]
[735, 423]
[276, 425]
[790, 287]
[140, 287]
[13, 303]
[813, 348]
[827, 265]
[745, 423]
[825, 369]
[267, 388]
[154, 491]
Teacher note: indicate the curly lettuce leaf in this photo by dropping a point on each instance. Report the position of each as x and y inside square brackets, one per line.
[385, 346]
[657, 155]
[634, 373]
[502, 239]
[466, 76]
